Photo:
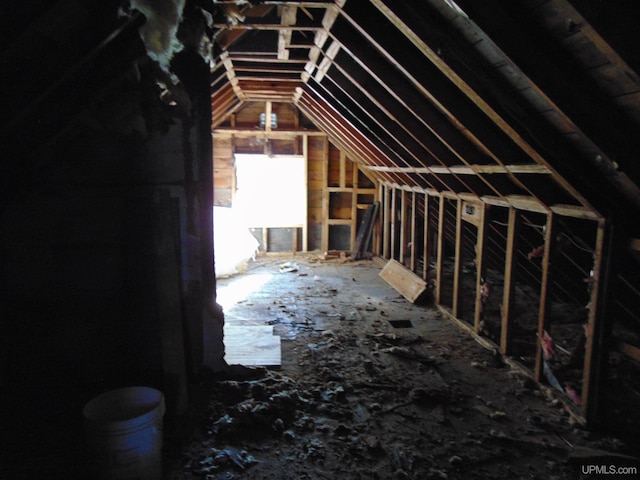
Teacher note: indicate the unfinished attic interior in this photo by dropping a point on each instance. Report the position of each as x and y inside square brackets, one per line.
[464, 169]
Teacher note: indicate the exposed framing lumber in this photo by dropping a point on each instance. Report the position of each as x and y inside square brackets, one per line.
[599, 331]
[305, 226]
[426, 243]
[222, 132]
[266, 26]
[358, 146]
[393, 224]
[457, 268]
[467, 169]
[403, 225]
[325, 197]
[433, 100]
[544, 308]
[412, 259]
[481, 251]
[511, 264]
[386, 220]
[478, 100]
[439, 261]
[399, 158]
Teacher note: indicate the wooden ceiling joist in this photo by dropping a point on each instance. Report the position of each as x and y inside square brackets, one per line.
[468, 169]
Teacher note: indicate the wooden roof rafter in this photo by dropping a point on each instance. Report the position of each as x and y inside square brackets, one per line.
[478, 100]
[344, 134]
[404, 127]
[398, 156]
[435, 101]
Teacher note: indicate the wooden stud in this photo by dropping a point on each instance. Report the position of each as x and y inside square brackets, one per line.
[426, 243]
[544, 307]
[413, 231]
[457, 269]
[509, 280]
[385, 222]
[354, 204]
[439, 260]
[294, 239]
[392, 222]
[599, 330]
[403, 224]
[265, 238]
[325, 197]
[305, 225]
[481, 251]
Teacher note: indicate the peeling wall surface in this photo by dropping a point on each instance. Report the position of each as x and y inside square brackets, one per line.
[105, 280]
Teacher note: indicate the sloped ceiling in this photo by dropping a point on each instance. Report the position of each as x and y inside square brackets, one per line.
[530, 103]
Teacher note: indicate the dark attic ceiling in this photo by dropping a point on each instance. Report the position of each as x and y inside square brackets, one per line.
[529, 103]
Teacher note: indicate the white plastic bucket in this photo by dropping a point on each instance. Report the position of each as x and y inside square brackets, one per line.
[124, 433]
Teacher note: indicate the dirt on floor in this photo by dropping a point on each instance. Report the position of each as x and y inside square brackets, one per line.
[374, 387]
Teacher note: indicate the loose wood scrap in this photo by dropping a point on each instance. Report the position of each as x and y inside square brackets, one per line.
[406, 283]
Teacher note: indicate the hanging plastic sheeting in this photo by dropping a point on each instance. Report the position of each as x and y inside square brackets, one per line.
[233, 243]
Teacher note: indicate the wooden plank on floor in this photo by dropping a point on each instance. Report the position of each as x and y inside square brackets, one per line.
[407, 283]
[252, 346]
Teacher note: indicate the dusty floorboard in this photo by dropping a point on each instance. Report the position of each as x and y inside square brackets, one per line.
[358, 398]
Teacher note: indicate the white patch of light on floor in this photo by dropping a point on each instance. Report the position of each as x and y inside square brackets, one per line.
[240, 288]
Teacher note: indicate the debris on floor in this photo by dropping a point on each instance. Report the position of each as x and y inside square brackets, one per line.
[356, 398]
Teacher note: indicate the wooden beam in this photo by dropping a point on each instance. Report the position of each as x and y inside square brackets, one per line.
[325, 197]
[478, 100]
[305, 227]
[426, 244]
[511, 263]
[399, 157]
[413, 232]
[403, 225]
[598, 329]
[393, 224]
[266, 26]
[354, 204]
[481, 296]
[544, 307]
[385, 225]
[439, 260]
[467, 169]
[457, 310]
[222, 132]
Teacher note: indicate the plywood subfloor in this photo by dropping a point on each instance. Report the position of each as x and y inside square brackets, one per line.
[252, 346]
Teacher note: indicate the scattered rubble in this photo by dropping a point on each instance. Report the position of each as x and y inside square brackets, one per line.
[358, 399]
